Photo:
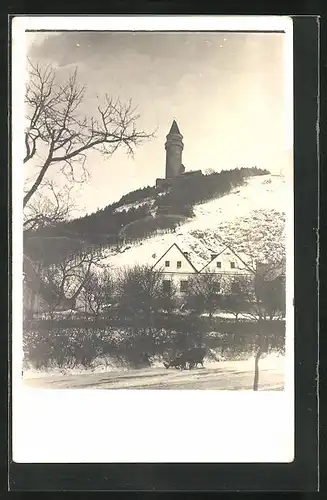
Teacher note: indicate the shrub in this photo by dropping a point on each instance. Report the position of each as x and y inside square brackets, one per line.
[71, 343]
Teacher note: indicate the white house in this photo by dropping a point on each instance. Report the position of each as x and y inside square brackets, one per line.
[227, 262]
[229, 267]
[176, 267]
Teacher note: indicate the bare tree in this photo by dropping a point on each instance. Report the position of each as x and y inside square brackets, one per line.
[98, 289]
[239, 296]
[68, 273]
[204, 293]
[263, 299]
[98, 292]
[57, 133]
[270, 288]
[265, 294]
[49, 207]
[263, 306]
[167, 297]
[140, 293]
[36, 294]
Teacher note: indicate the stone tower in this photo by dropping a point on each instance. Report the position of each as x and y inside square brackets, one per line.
[174, 147]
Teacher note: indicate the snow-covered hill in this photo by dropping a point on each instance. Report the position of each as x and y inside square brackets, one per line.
[251, 219]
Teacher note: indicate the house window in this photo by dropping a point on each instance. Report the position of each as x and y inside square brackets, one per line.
[232, 265]
[219, 264]
[235, 287]
[184, 286]
[167, 263]
[179, 264]
[166, 285]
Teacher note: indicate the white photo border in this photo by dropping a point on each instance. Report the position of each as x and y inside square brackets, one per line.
[103, 426]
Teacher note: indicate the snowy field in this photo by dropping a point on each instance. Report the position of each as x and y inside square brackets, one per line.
[258, 205]
[224, 375]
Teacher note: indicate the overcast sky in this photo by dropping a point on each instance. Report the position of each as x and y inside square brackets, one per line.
[226, 92]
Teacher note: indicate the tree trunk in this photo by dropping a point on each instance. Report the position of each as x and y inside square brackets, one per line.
[37, 182]
[256, 368]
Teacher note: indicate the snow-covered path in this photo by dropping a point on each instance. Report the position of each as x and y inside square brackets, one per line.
[226, 375]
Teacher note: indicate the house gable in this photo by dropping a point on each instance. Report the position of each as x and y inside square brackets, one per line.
[227, 262]
[174, 261]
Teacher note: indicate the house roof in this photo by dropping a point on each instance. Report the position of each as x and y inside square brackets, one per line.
[234, 253]
[174, 128]
[185, 257]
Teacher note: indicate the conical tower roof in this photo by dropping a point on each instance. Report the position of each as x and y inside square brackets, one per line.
[174, 128]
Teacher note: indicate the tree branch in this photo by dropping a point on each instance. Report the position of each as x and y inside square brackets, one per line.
[56, 123]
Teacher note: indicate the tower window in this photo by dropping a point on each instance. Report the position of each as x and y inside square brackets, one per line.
[179, 264]
[232, 265]
[219, 264]
[184, 286]
[167, 263]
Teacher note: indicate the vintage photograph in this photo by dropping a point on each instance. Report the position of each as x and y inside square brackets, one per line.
[157, 193]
